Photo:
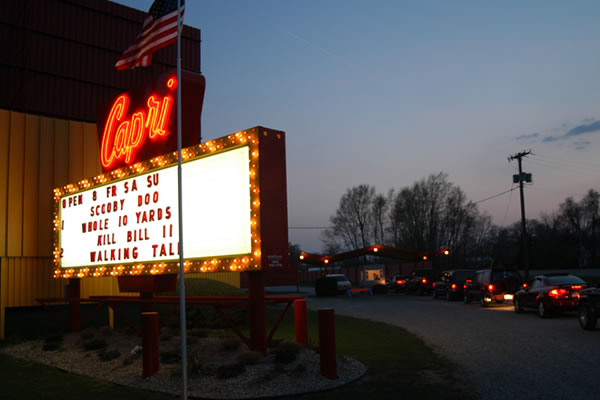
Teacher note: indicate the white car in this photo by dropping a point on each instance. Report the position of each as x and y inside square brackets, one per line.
[343, 283]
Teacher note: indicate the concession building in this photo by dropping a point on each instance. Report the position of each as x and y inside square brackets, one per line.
[56, 68]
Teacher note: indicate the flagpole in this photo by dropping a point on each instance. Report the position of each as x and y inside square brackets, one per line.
[200, 68]
[182, 324]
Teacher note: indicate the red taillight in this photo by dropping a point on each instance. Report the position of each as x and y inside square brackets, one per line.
[424, 280]
[557, 292]
[465, 286]
[400, 282]
[577, 287]
[433, 284]
[453, 286]
[491, 288]
[524, 285]
[469, 281]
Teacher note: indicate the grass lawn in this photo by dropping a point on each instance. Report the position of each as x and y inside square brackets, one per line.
[26, 380]
[398, 363]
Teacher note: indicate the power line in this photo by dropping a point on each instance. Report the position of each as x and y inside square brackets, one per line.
[496, 195]
[595, 166]
[562, 165]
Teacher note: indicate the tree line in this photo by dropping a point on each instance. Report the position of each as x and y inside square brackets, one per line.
[433, 214]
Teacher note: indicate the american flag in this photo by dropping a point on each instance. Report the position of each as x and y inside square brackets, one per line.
[159, 30]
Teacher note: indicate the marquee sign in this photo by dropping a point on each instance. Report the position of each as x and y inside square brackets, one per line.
[141, 123]
[125, 222]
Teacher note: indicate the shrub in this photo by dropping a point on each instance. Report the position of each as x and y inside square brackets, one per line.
[249, 358]
[109, 355]
[207, 317]
[199, 333]
[198, 366]
[106, 331]
[87, 334]
[95, 344]
[326, 287]
[170, 357]
[300, 368]
[51, 346]
[52, 343]
[165, 336]
[230, 371]
[230, 343]
[287, 352]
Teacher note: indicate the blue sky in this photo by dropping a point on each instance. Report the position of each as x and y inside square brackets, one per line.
[388, 92]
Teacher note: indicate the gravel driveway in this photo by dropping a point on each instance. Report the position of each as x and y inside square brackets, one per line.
[509, 356]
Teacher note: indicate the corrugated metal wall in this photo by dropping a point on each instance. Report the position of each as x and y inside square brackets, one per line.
[58, 56]
[38, 154]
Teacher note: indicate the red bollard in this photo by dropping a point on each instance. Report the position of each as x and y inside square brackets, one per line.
[327, 343]
[150, 343]
[74, 293]
[300, 322]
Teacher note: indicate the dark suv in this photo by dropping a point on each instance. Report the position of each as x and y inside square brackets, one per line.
[451, 284]
[492, 285]
[420, 281]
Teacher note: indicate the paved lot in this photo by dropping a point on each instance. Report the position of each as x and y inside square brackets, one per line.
[507, 355]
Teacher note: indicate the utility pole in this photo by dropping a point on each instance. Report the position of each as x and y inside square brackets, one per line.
[520, 178]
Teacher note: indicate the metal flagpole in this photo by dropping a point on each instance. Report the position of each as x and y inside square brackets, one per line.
[200, 68]
[182, 325]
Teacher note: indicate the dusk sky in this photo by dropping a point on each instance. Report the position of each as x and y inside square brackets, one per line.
[387, 92]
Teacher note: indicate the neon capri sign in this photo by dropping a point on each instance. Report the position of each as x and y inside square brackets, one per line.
[122, 136]
[125, 222]
[140, 124]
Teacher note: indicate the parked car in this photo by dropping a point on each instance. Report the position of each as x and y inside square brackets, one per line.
[492, 285]
[549, 292]
[343, 283]
[420, 281]
[451, 284]
[396, 283]
[589, 308]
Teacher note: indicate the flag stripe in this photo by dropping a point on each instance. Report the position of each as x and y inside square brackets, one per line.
[167, 22]
[155, 35]
[156, 44]
[156, 32]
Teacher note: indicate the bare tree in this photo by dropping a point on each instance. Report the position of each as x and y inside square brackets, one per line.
[379, 207]
[459, 216]
[590, 206]
[417, 212]
[352, 224]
